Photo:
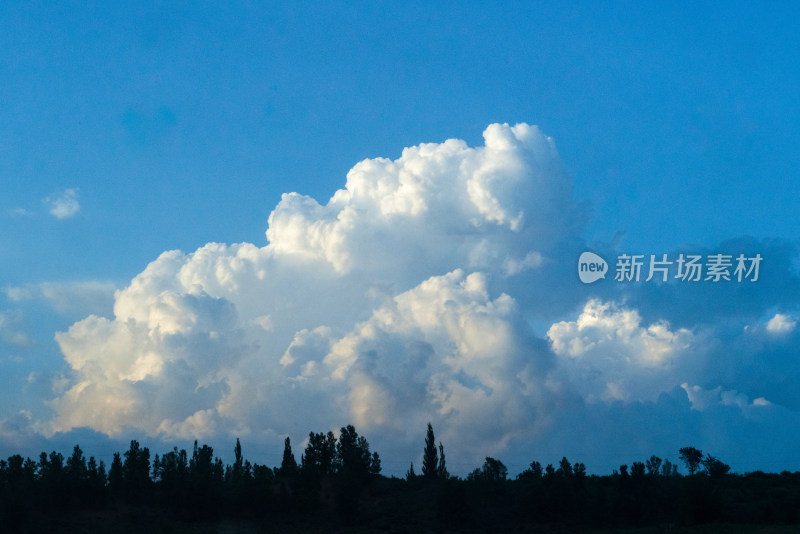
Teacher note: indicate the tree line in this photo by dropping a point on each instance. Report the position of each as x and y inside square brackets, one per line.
[339, 477]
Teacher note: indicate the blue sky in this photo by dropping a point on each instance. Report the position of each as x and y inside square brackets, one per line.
[127, 131]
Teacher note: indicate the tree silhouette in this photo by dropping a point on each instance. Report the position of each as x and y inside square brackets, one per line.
[623, 471]
[355, 465]
[236, 476]
[353, 457]
[288, 463]
[410, 474]
[238, 463]
[96, 483]
[492, 471]
[340, 477]
[17, 491]
[714, 467]
[320, 455]
[76, 478]
[171, 471]
[669, 469]
[136, 472]
[115, 474]
[692, 458]
[260, 486]
[653, 465]
[51, 473]
[76, 468]
[441, 470]
[434, 465]
[206, 475]
[549, 471]
[430, 456]
[533, 472]
[579, 470]
[637, 470]
[375, 464]
[564, 468]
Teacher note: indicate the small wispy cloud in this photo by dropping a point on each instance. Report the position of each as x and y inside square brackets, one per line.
[781, 324]
[92, 296]
[10, 330]
[19, 212]
[64, 205]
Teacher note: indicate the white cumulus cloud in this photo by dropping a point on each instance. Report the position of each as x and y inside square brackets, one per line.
[609, 354]
[389, 306]
[407, 297]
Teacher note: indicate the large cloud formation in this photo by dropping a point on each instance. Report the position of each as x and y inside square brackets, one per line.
[407, 298]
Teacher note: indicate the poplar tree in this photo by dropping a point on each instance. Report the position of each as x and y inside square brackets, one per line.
[430, 457]
[441, 471]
